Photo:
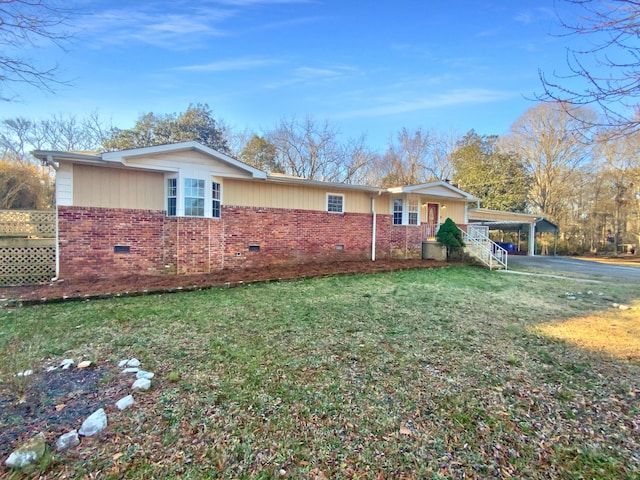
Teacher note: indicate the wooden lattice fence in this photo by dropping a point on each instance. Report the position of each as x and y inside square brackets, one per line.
[27, 247]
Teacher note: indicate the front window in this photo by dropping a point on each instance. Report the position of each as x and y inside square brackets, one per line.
[193, 197]
[335, 203]
[413, 208]
[172, 196]
[215, 200]
[397, 211]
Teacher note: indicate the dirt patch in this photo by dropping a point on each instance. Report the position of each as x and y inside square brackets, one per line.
[132, 284]
[55, 402]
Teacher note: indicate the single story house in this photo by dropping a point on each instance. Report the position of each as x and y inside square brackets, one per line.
[186, 208]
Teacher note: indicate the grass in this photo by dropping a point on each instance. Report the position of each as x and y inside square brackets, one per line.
[457, 372]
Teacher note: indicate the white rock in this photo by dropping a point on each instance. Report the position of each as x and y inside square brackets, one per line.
[141, 384]
[615, 305]
[67, 440]
[96, 422]
[50, 369]
[143, 374]
[624, 307]
[131, 370]
[28, 453]
[122, 363]
[134, 362]
[85, 364]
[590, 292]
[571, 297]
[124, 402]
[66, 363]
[26, 373]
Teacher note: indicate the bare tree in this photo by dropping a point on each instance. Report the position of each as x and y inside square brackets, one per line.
[609, 69]
[315, 151]
[416, 157]
[18, 136]
[549, 142]
[25, 23]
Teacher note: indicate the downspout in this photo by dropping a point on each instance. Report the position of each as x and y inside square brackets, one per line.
[55, 279]
[373, 229]
[52, 164]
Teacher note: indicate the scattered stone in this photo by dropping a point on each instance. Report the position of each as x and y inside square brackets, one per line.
[122, 363]
[624, 307]
[50, 369]
[141, 384]
[124, 402]
[134, 362]
[28, 453]
[615, 305]
[571, 297]
[67, 440]
[590, 292]
[26, 373]
[96, 422]
[85, 364]
[143, 374]
[131, 370]
[66, 363]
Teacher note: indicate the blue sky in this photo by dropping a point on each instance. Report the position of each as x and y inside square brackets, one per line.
[367, 67]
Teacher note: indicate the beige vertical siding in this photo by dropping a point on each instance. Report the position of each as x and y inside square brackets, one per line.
[453, 210]
[276, 195]
[117, 188]
[186, 160]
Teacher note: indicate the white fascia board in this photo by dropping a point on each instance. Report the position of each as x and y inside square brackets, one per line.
[321, 184]
[457, 193]
[58, 156]
[121, 155]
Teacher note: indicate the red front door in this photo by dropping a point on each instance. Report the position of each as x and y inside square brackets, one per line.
[432, 214]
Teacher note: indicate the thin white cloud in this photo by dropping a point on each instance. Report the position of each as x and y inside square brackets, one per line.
[175, 30]
[524, 17]
[394, 106]
[309, 75]
[230, 65]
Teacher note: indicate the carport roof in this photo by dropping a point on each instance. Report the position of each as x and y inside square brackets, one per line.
[510, 221]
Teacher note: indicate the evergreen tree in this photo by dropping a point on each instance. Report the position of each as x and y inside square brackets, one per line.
[450, 236]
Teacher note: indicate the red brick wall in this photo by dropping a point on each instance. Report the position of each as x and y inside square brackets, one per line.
[289, 236]
[194, 245]
[161, 244]
[87, 237]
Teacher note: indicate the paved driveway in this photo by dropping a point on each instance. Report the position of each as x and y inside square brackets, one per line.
[572, 266]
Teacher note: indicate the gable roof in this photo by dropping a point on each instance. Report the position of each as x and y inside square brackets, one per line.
[439, 189]
[122, 157]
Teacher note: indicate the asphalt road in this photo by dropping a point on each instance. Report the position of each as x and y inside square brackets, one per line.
[572, 267]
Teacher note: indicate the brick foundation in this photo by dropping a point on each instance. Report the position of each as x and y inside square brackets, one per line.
[244, 237]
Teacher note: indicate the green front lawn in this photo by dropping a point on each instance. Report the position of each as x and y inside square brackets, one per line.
[415, 374]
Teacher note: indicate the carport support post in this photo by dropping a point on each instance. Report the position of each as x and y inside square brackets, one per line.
[532, 239]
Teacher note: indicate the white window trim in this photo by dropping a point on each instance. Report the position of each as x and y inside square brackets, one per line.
[166, 194]
[334, 195]
[180, 178]
[405, 211]
[219, 182]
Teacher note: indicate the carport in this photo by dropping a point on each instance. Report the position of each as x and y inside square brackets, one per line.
[524, 224]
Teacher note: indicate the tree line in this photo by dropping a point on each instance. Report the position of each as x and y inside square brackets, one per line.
[551, 162]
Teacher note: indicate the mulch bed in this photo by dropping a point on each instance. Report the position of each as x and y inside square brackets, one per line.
[78, 289]
[55, 402]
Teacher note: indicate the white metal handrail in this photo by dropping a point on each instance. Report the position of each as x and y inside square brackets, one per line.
[486, 250]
